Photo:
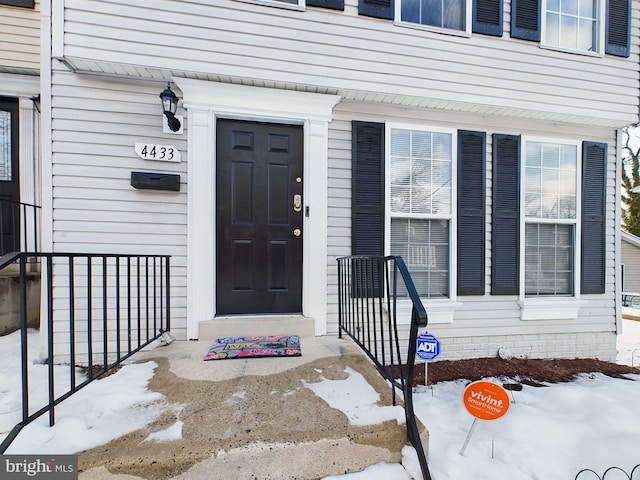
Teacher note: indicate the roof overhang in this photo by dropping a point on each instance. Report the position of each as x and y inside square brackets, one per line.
[558, 116]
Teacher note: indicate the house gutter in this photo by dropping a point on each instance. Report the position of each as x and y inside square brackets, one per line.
[618, 234]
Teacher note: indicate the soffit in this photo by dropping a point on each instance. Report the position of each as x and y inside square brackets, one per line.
[88, 66]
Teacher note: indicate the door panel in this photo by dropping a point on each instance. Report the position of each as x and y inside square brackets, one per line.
[9, 179]
[258, 232]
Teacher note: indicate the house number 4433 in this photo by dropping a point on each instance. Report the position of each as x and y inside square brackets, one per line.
[163, 153]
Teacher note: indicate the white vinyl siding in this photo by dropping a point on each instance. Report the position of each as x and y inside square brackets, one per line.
[383, 73]
[343, 52]
[95, 209]
[630, 258]
[20, 39]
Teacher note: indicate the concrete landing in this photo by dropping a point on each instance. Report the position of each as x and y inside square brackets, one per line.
[251, 419]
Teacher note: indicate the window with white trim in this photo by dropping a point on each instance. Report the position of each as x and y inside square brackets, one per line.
[550, 203]
[452, 15]
[419, 179]
[573, 25]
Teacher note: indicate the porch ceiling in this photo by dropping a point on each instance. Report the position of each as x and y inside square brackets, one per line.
[89, 66]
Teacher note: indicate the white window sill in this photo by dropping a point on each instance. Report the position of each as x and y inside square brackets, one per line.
[274, 3]
[438, 311]
[549, 308]
[431, 28]
[587, 53]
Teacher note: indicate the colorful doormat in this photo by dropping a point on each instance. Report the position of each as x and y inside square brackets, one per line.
[248, 347]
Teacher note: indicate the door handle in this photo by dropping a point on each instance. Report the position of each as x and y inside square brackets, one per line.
[297, 202]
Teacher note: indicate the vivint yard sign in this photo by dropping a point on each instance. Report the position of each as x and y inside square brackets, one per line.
[485, 401]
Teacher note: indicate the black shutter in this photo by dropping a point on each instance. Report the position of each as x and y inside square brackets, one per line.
[618, 34]
[505, 244]
[367, 189]
[471, 212]
[594, 179]
[487, 17]
[334, 4]
[525, 19]
[18, 3]
[376, 8]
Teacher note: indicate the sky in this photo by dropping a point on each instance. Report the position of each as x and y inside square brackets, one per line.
[550, 432]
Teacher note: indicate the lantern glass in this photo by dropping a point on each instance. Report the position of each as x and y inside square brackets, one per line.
[169, 100]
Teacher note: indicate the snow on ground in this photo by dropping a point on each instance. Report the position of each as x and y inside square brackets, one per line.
[549, 432]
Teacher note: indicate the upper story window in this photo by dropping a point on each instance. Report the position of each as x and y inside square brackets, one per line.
[573, 25]
[420, 213]
[577, 26]
[453, 15]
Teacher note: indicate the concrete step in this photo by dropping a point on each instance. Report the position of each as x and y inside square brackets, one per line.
[244, 325]
[10, 302]
[13, 270]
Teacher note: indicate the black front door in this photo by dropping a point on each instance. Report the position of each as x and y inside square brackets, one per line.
[259, 218]
[9, 181]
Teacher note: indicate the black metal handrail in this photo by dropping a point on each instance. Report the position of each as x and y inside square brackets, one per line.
[19, 227]
[368, 292]
[101, 309]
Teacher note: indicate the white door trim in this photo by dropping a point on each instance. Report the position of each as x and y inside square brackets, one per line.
[205, 102]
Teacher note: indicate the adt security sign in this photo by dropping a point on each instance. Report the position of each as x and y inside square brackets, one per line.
[428, 346]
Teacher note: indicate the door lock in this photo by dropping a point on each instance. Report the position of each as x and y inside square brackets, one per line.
[297, 202]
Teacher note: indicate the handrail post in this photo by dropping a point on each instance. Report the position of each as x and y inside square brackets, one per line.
[168, 287]
[23, 339]
[52, 419]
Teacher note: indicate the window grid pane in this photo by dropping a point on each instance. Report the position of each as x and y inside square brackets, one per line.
[548, 259]
[424, 246]
[436, 13]
[550, 181]
[420, 172]
[572, 24]
[5, 146]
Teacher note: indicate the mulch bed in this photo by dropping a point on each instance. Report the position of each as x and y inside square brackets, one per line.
[525, 371]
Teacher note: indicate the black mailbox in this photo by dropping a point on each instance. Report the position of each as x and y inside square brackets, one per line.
[155, 181]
